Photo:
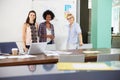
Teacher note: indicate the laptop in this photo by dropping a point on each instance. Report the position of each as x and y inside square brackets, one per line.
[37, 48]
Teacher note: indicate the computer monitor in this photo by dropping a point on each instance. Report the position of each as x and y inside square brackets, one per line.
[37, 48]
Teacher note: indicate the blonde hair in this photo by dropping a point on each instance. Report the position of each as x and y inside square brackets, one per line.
[69, 14]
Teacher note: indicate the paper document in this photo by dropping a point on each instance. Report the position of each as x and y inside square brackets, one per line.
[93, 66]
[86, 46]
[83, 66]
[21, 56]
[56, 53]
[3, 57]
[87, 52]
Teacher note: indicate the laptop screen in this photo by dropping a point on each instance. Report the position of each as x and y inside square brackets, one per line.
[37, 48]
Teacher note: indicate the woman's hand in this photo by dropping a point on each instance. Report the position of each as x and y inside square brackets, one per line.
[50, 36]
[81, 43]
[25, 49]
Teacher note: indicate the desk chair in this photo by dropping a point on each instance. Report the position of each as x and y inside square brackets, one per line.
[72, 58]
[108, 57]
[5, 47]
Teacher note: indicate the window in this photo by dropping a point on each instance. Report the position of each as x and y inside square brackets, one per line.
[116, 16]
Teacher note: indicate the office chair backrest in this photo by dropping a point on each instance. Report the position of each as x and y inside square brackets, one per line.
[72, 58]
[5, 47]
[107, 57]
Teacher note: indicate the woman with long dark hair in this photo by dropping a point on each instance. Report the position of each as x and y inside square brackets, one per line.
[30, 30]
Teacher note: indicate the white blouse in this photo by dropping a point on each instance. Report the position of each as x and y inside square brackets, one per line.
[48, 33]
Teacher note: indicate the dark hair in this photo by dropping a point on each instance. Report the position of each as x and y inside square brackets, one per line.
[28, 19]
[48, 12]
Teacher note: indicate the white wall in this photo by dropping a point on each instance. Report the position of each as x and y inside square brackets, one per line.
[13, 14]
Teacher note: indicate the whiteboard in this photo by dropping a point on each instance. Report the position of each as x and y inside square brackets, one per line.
[59, 8]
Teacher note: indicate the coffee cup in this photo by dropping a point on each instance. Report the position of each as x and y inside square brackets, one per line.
[14, 51]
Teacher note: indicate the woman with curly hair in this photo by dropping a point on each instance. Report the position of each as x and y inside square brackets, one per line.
[46, 29]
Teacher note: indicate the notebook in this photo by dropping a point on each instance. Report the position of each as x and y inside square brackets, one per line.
[37, 48]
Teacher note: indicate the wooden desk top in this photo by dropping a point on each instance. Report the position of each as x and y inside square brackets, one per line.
[43, 59]
[40, 59]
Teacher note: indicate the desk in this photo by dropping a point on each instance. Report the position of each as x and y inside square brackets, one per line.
[93, 57]
[39, 59]
[50, 72]
[43, 59]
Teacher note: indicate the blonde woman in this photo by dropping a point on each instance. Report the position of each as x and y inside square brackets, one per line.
[74, 33]
[30, 30]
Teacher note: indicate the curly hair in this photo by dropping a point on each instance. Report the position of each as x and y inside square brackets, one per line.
[48, 12]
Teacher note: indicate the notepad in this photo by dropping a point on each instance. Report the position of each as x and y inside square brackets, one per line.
[83, 66]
